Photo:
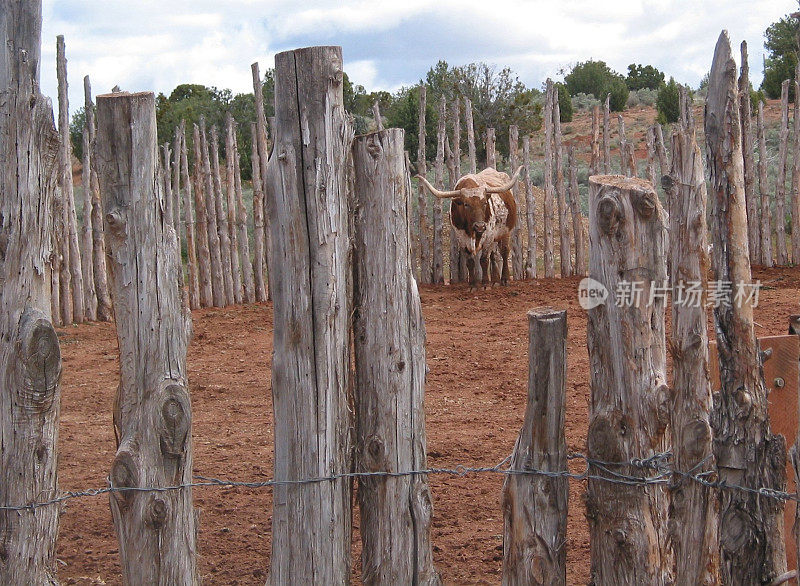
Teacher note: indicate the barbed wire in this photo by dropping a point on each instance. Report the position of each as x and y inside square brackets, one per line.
[659, 464]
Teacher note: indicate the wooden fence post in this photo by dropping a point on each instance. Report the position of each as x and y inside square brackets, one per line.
[530, 210]
[87, 244]
[693, 517]
[780, 187]
[574, 202]
[549, 260]
[104, 309]
[30, 358]
[232, 219]
[259, 252]
[623, 148]
[518, 271]
[312, 309]
[650, 140]
[438, 178]
[535, 507]
[376, 113]
[217, 213]
[215, 254]
[201, 224]
[389, 344]
[473, 160]
[189, 227]
[751, 526]
[594, 164]
[261, 243]
[629, 410]
[457, 259]
[422, 198]
[248, 277]
[795, 198]
[763, 192]
[563, 221]
[607, 135]
[745, 113]
[491, 152]
[152, 412]
[176, 182]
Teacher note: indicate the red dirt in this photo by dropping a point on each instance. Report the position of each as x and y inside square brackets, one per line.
[477, 354]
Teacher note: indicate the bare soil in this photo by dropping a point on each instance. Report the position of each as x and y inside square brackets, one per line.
[477, 354]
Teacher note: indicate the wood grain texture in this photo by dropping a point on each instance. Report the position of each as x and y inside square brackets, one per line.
[259, 252]
[223, 231]
[780, 186]
[535, 507]
[457, 260]
[745, 116]
[764, 193]
[629, 410]
[389, 345]
[201, 224]
[218, 291]
[574, 203]
[264, 291]
[232, 218]
[530, 210]
[438, 178]
[30, 358]
[694, 513]
[751, 528]
[607, 135]
[308, 209]
[189, 228]
[470, 123]
[248, 278]
[565, 252]
[517, 255]
[87, 243]
[423, 244]
[152, 412]
[547, 219]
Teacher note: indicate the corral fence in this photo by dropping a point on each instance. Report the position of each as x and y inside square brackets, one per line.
[683, 486]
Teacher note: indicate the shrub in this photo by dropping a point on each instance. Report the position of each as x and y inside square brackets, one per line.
[668, 103]
[583, 101]
[564, 103]
[619, 94]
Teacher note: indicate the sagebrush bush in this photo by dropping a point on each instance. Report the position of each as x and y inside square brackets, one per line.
[583, 101]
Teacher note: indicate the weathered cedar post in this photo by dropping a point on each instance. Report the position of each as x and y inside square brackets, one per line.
[607, 135]
[535, 507]
[241, 226]
[454, 168]
[223, 234]
[166, 181]
[491, 152]
[780, 187]
[201, 225]
[629, 409]
[232, 219]
[376, 114]
[516, 239]
[438, 178]
[751, 526]
[87, 244]
[104, 309]
[763, 192]
[549, 260]
[577, 218]
[152, 411]
[30, 359]
[623, 148]
[594, 165]
[795, 199]
[661, 150]
[73, 284]
[259, 253]
[693, 517]
[745, 114]
[473, 160]
[389, 344]
[263, 290]
[530, 210]
[308, 210]
[650, 140]
[215, 254]
[176, 181]
[189, 227]
[563, 221]
[422, 198]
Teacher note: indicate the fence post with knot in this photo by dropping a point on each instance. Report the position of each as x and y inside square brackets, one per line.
[306, 200]
[152, 412]
[389, 345]
[629, 409]
[535, 506]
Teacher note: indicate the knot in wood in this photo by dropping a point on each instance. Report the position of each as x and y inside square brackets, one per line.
[116, 222]
[173, 426]
[609, 215]
[744, 400]
[40, 355]
[123, 475]
[605, 440]
[695, 442]
[644, 202]
[374, 456]
[374, 147]
[156, 514]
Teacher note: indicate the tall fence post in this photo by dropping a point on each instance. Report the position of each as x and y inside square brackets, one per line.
[530, 210]
[763, 192]
[780, 185]
[549, 195]
[308, 210]
[745, 112]
[535, 506]
[30, 358]
[424, 246]
[751, 526]
[517, 256]
[152, 412]
[629, 409]
[389, 345]
[438, 178]
[693, 518]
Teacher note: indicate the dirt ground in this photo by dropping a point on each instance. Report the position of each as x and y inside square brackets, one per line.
[477, 355]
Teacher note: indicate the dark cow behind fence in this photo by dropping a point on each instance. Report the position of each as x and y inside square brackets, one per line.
[484, 214]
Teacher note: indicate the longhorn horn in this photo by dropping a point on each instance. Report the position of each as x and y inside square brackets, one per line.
[436, 192]
[507, 186]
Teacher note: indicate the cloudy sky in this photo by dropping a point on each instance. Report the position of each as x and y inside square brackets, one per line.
[155, 45]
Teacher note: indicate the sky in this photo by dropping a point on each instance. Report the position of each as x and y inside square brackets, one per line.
[144, 45]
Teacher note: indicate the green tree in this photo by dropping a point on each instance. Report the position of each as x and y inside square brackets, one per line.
[668, 103]
[76, 132]
[564, 103]
[596, 78]
[780, 63]
[643, 77]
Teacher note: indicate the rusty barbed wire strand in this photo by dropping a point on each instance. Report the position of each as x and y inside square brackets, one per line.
[614, 472]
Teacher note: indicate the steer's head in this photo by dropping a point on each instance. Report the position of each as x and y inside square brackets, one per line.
[470, 206]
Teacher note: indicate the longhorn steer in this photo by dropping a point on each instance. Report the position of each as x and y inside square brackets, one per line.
[483, 212]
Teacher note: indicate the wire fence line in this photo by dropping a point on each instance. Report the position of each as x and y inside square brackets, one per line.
[659, 466]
